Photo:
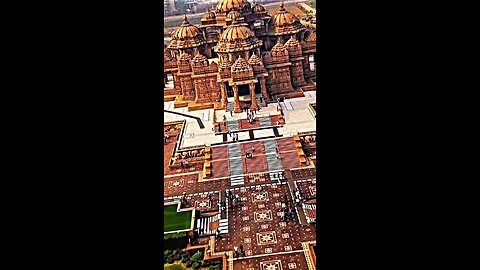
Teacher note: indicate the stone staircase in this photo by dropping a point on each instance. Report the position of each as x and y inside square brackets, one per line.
[223, 225]
[204, 223]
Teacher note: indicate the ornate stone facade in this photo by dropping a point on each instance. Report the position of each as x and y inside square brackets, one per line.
[239, 50]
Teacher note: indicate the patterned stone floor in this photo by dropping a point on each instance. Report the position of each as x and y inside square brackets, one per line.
[308, 188]
[290, 261]
[258, 224]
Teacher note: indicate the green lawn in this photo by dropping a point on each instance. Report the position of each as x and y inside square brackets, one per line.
[174, 220]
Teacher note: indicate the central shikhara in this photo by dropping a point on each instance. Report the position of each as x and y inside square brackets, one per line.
[241, 52]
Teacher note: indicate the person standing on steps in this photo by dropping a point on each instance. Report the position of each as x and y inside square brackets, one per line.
[253, 149]
[236, 250]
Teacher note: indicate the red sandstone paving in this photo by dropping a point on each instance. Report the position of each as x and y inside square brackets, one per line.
[247, 147]
[286, 144]
[219, 152]
[274, 119]
[244, 124]
[243, 227]
[190, 184]
[290, 160]
[257, 179]
[255, 165]
[304, 173]
[308, 189]
[168, 151]
[220, 168]
[288, 261]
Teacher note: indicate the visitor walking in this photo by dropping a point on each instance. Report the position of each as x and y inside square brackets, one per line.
[231, 113]
[253, 149]
[241, 248]
[235, 248]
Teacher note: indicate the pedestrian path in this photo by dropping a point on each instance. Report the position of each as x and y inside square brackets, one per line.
[232, 125]
[273, 162]
[236, 164]
[265, 121]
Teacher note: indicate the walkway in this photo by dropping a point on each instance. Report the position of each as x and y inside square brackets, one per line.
[236, 164]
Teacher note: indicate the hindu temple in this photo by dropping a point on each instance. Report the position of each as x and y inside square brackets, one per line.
[239, 55]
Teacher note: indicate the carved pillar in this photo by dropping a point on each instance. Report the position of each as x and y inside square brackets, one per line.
[224, 95]
[263, 87]
[236, 99]
[252, 95]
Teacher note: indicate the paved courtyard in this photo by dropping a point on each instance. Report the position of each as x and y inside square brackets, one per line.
[267, 218]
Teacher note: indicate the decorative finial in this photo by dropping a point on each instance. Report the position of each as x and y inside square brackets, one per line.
[185, 21]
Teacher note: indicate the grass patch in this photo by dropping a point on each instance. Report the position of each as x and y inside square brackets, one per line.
[173, 267]
[174, 220]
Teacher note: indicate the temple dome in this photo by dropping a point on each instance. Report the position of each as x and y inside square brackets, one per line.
[279, 50]
[255, 60]
[257, 8]
[292, 43]
[284, 22]
[241, 65]
[237, 37]
[199, 58]
[186, 36]
[209, 16]
[226, 64]
[225, 6]
[234, 15]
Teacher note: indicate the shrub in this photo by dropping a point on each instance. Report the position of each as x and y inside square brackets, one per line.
[196, 265]
[169, 259]
[188, 263]
[198, 256]
[184, 259]
[214, 267]
[206, 263]
[176, 256]
[167, 253]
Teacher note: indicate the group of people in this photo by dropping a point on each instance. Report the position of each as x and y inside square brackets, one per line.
[251, 116]
[250, 155]
[165, 138]
[288, 209]
[242, 251]
[183, 200]
[184, 164]
[233, 135]
[280, 176]
[298, 196]
[234, 200]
